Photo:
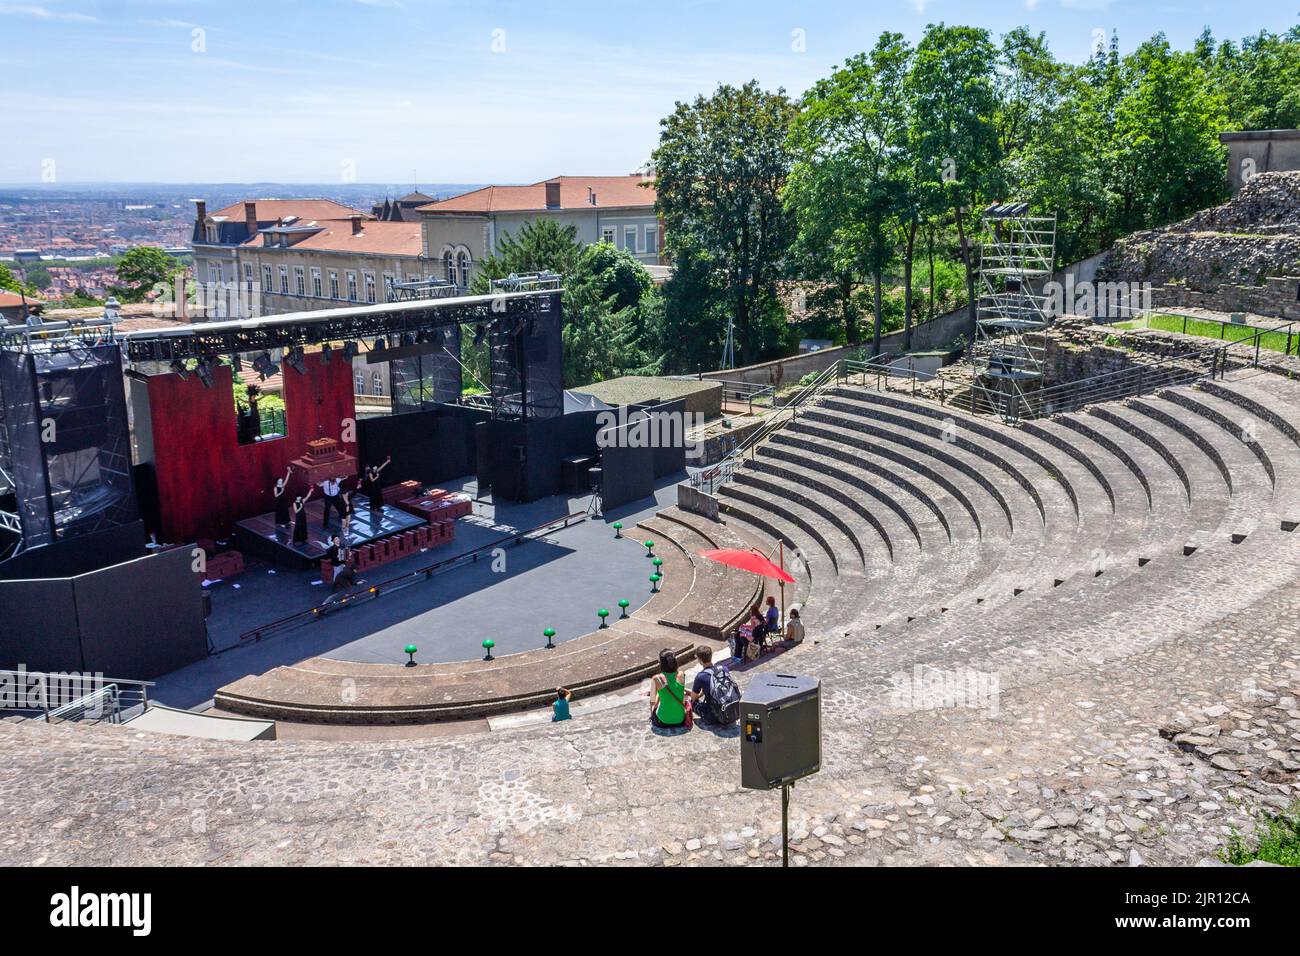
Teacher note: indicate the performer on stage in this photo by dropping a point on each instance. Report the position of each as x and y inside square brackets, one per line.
[300, 518]
[331, 487]
[371, 487]
[282, 498]
[339, 556]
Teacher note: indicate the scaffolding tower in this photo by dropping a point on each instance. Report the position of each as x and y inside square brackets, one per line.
[1016, 257]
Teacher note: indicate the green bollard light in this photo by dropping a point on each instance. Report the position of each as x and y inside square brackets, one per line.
[618, 529]
[654, 583]
[410, 652]
[659, 565]
[548, 634]
[603, 614]
[649, 548]
[623, 605]
[488, 644]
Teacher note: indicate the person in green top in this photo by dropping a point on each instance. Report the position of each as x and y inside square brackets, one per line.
[561, 706]
[668, 693]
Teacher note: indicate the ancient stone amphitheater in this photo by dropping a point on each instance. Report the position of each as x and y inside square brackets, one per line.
[1074, 641]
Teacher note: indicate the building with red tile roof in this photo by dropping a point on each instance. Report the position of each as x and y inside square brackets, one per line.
[461, 231]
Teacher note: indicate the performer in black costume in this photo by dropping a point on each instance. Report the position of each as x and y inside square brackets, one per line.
[300, 518]
[371, 487]
[282, 498]
[339, 556]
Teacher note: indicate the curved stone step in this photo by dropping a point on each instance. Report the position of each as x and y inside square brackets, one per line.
[918, 417]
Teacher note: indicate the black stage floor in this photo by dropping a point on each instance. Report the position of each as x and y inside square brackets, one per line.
[263, 537]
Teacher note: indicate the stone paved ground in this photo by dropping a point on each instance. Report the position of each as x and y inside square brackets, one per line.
[1074, 760]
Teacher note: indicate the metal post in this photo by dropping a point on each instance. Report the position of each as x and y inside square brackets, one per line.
[781, 545]
[785, 825]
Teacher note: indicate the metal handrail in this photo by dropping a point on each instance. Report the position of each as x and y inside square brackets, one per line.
[723, 471]
[49, 686]
[374, 591]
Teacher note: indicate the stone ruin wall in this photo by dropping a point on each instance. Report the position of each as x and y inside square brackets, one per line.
[1242, 256]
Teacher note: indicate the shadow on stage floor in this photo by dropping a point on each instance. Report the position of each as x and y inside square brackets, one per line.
[510, 596]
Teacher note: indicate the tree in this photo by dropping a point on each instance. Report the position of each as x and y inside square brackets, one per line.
[952, 82]
[610, 308]
[141, 269]
[1168, 159]
[719, 168]
[8, 281]
[39, 279]
[849, 186]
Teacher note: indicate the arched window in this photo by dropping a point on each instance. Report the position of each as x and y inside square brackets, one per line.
[377, 381]
[450, 264]
[361, 383]
[463, 259]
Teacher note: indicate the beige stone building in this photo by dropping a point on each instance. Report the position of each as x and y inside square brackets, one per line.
[460, 232]
[272, 256]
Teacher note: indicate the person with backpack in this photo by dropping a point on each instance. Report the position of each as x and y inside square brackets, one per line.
[715, 694]
[668, 694]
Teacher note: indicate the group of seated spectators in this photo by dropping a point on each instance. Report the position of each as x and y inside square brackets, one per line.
[713, 696]
[750, 639]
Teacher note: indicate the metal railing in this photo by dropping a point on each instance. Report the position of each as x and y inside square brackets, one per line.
[1138, 379]
[71, 696]
[710, 479]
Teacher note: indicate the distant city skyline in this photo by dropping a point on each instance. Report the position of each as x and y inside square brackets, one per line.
[417, 91]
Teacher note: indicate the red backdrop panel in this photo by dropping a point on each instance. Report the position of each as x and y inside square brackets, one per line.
[207, 480]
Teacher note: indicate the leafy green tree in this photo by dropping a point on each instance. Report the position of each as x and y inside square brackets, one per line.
[719, 168]
[846, 187]
[1168, 159]
[39, 279]
[141, 269]
[8, 280]
[952, 82]
[609, 301]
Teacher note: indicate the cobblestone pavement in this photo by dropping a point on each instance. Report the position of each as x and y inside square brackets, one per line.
[1141, 735]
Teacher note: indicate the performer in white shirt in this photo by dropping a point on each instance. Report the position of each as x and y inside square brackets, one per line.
[330, 488]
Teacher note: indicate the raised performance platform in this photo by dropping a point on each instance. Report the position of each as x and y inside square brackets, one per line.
[263, 537]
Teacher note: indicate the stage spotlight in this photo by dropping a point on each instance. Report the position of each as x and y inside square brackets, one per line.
[179, 368]
[408, 338]
[236, 363]
[349, 350]
[325, 352]
[296, 360]
[381, 343]
[264, 366]
[204, 370]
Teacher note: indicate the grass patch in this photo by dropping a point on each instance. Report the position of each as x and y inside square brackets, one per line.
[1277, 840]
[1223, 331]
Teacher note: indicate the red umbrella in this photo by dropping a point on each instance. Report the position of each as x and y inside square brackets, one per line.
[750, 561]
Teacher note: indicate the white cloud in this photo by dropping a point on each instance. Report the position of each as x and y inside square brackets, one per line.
[43, 13]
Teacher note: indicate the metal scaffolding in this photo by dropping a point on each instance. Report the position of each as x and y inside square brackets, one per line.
[1016, 257]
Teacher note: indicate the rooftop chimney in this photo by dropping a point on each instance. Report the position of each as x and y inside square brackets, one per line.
[200, 210]
[591, 195]
[356, 225]
[553, 194]
[250, 217]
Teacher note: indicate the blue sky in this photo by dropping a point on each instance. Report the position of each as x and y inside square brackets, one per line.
[466, 91]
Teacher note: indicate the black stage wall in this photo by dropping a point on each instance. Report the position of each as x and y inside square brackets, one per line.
[431, 446]
[524, 458]
[668, 426]
[627, 467]
[79, 555]
[138, 620]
